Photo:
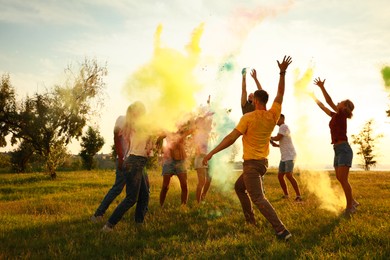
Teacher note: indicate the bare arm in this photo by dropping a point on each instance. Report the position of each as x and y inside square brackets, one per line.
[244, 94]
[283, 67]
[274, 144]
[322, 106]
[254, 76]
[277, 138]
[328, 99]
[225, 143]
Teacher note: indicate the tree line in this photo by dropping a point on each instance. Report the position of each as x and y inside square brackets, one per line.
[43, 124]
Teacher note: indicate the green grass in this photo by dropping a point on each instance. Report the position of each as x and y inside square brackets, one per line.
[45, 219]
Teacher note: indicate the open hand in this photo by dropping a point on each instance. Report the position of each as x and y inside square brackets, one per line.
[253, 74]
[319, 83]
[206, 159]
[286, 61]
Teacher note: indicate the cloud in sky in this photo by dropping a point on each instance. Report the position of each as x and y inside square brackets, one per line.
[347, 42]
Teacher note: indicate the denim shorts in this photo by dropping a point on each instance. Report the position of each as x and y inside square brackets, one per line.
[174, 167]
[342, 155]
[286, 166]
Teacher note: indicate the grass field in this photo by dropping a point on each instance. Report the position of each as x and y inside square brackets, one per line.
[45, 219]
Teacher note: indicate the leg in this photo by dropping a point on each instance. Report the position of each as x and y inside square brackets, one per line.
[246, 204]
[283, 183]
[342, 173]
[294, 183]
[201, 183]
[133, 173]
[207, 185]
[164, 188]
[184, 188]
[115, 190]
[253, 183]
[342, 162]
[143, 199]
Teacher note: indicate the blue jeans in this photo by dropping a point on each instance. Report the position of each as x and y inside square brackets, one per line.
[137, 190]
[115, 190]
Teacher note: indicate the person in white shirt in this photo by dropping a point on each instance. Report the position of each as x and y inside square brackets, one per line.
[288, 156]
[137, 182]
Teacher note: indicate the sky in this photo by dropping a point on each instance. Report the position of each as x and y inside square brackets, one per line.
[198, 48]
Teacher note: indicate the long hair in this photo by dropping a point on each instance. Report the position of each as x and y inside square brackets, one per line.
[133, 112]
[348, 108]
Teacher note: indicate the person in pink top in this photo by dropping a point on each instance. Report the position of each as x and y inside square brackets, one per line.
[338, 131]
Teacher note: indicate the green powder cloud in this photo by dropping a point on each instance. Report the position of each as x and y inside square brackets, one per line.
[386, 75]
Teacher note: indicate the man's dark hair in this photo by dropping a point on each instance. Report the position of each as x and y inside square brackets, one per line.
[261, 96]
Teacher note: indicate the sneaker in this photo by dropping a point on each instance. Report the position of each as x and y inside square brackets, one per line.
[298, 199]
[285, 197]
[285, 235]
[107, 229]
[96, 219]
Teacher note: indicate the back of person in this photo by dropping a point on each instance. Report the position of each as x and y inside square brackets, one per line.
[287, 149]
[177, 151]
[256, 137]
[247, 108]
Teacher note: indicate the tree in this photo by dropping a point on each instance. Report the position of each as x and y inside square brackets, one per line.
[48, 121]
[5, 160]
[113, 153]
[366, 144]
[91, 144]
[20, 157]
[7, 108]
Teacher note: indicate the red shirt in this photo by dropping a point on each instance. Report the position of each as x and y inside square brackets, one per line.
[338, 127]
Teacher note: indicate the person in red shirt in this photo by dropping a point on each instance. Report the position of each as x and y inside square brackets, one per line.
[338, 130]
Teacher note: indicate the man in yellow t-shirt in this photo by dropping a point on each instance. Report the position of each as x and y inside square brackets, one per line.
[256, 128]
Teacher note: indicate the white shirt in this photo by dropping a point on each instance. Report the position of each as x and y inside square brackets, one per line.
[287, 149]
[140, 144]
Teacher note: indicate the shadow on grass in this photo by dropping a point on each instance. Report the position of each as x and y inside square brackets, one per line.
[20, 179]
[207, 231]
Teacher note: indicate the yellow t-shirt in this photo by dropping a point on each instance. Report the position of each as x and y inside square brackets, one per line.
[256, 128]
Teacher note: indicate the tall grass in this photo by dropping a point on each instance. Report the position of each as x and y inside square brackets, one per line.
[45, 219]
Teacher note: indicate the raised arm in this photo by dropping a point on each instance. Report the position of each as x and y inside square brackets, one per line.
[254, 76]
[328, 99]
[244, 94]
[225, 143]
[322, 106]
[283, 67]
